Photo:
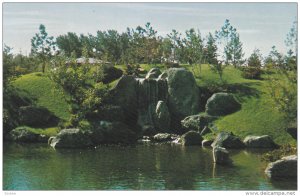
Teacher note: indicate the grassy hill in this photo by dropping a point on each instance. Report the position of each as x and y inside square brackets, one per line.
[257, 116]
[43, 91]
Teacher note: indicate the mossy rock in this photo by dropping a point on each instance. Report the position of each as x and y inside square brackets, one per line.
[220, 104]
[191, 138]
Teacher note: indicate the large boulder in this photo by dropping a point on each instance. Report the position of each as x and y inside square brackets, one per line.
[183, 93]
[71, 138]
[111, 113]
[124, 94]
[112, 133]
[227, 140]
[36, 116]
[263, 141]
[23, 134]
[284, 168]
[162, 117]
[220, 104]
[191, 138]
[153, 73]
[221, 156]
[197, 122]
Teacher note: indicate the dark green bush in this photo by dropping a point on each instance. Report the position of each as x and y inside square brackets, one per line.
[251, 72]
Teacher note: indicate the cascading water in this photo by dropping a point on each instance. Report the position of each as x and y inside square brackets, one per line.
[149, 92]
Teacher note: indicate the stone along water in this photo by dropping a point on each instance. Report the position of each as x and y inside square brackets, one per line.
[140, 167]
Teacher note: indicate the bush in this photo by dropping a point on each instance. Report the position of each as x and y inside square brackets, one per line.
[251, 72]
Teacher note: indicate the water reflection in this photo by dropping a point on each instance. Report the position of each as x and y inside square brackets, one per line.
[141, 167]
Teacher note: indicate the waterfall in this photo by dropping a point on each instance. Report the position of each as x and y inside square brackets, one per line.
[149, 92]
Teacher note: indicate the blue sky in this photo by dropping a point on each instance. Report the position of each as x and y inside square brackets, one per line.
[261, 25]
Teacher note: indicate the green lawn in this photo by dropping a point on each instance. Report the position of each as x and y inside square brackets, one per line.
[43, 91]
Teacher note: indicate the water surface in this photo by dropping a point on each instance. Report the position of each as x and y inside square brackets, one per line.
[140, 167]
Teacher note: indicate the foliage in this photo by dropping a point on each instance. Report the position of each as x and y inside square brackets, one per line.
[230, 40]
[219, 69]
[79, 87]
[283, 87]
[193, 49]
[253, 70]
[42, 46]
[211, 49]
[69, 43]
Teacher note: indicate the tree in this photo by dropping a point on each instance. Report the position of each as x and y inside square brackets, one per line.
[292, 39]
[234, 51]
[218, 68]
[8, 67]
[193, 48]
[70, 43]
[79, 85]
[42, 46]
[174, 36]
[211, 50]
[253, 70]
[283, 84]
[230, 40]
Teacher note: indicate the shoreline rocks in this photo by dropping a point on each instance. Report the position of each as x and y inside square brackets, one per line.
[284, 168]
[23, 135]
[227, 140]
[221, 156]
[263, 141]
[197, 122]
[191, 138]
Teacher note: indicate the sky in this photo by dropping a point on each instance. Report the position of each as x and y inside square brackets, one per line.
[260, 25]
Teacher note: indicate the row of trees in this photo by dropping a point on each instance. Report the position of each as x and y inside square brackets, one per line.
[142, 45]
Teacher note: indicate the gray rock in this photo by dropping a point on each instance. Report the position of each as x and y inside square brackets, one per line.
[124, 94]
[164, 75]
[205, 131]
[220, 104]
[191, 138]
[162, 117]
[111, 113]
[227, 140]
[70, 138]
[183, 99]
[263, 141]
[24, 135]
[206, 143]
[283, 168]
[197, 122]
[164, 137]
[153, 73]
[221, 156]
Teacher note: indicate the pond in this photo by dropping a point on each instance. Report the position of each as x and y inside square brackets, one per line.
[139, 167]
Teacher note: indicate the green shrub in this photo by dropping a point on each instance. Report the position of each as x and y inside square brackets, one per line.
[251, 72]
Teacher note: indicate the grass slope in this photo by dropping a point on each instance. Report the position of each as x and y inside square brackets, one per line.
[43, 91]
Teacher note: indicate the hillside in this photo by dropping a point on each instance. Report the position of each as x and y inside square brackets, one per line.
[257, 116]
[43, 91]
